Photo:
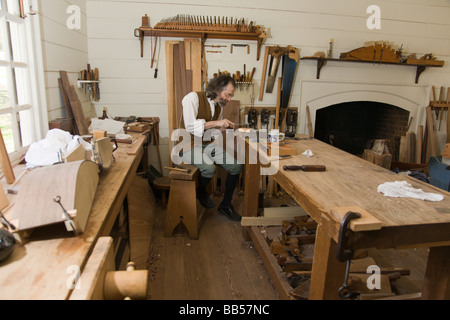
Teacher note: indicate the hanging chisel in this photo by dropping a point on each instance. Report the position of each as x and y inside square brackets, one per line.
[306, 168]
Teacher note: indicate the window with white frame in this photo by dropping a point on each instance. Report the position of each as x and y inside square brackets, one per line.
[17, 121]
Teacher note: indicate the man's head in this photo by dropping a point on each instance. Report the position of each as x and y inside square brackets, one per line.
[221, 89]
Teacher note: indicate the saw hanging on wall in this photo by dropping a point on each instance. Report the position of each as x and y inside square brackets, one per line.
[288, 57]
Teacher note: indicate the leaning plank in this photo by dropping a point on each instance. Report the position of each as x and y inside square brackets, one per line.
[74, 103]
[67, 105]
[276, 274]
[77, 109]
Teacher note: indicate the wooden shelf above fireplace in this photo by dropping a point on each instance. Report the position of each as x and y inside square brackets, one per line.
[421, 67]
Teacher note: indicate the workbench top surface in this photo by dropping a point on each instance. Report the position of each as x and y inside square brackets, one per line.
[352, 181]
[43, 266]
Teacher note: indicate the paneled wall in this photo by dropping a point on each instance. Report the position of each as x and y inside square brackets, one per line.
[128, 86]
[63, 49]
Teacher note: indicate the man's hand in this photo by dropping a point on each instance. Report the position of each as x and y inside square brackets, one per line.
[221, 124]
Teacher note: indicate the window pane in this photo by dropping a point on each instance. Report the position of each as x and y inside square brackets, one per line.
[2, 46]
[26, 132]
[21, 87]
[4, 93]
[13, 7]
[7, 132]
[16, 41]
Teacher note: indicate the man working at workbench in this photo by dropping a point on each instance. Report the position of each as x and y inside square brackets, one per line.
[202, 118]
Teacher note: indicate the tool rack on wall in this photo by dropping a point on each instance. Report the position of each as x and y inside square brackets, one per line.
[143, 32]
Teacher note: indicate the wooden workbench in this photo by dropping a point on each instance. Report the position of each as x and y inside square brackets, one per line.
[352, 181]
[42, 266]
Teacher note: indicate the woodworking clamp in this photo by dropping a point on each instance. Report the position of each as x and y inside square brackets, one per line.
[345, 255]
[69, 220]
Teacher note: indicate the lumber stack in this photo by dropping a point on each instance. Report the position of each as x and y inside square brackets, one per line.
[436, 114]
[72, 104]
[292, 243]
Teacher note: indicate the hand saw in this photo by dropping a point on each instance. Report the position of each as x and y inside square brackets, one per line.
[274, 63]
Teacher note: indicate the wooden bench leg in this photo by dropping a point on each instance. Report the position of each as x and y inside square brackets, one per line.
[182, 207]
[328, 272]
[436, 284]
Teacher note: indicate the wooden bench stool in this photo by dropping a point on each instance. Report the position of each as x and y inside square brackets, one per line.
[162, 184]
[183, 206]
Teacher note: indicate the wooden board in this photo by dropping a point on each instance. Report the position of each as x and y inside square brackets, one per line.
[93, 276]
[419, 144]
[4, 202]
[410, 147]
[76, 184]
[383, 160]
[67, 105]
[77, 154]
[263, 76]
[431, 134]
[171, 103]
[6, 162]
[352, 181]
[196, 65]
[141, 215]
[105, 150]
[367, 222]
[137, 145]
[75, 104]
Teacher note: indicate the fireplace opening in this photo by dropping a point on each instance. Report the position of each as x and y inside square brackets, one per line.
[353, 126]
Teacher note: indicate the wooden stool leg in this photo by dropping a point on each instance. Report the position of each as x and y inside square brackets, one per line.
[182, 207]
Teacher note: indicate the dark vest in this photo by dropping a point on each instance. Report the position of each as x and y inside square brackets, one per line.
[204, 112]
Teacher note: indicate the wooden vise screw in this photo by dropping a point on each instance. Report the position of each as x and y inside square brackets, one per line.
[129, 285]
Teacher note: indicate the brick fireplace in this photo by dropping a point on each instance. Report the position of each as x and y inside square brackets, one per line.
[350, 115]
[353, 126]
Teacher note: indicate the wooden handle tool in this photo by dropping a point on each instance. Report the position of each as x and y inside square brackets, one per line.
[306, 168]
[179, 169]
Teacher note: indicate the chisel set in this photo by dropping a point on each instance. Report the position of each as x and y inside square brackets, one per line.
[207, 23]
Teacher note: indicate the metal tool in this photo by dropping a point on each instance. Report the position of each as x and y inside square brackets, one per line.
[306, 168]
[69, 220]
[345, 255]
[252, 118]
[6, 223]
[265, 117]
[291, 123]
[179, 169]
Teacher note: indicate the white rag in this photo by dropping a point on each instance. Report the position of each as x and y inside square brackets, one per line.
[402, 189]
[308, 153]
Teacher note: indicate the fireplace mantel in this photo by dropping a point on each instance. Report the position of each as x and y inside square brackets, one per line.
[319, 94]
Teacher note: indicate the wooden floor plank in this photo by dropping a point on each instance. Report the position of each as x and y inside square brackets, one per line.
[220, 265]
